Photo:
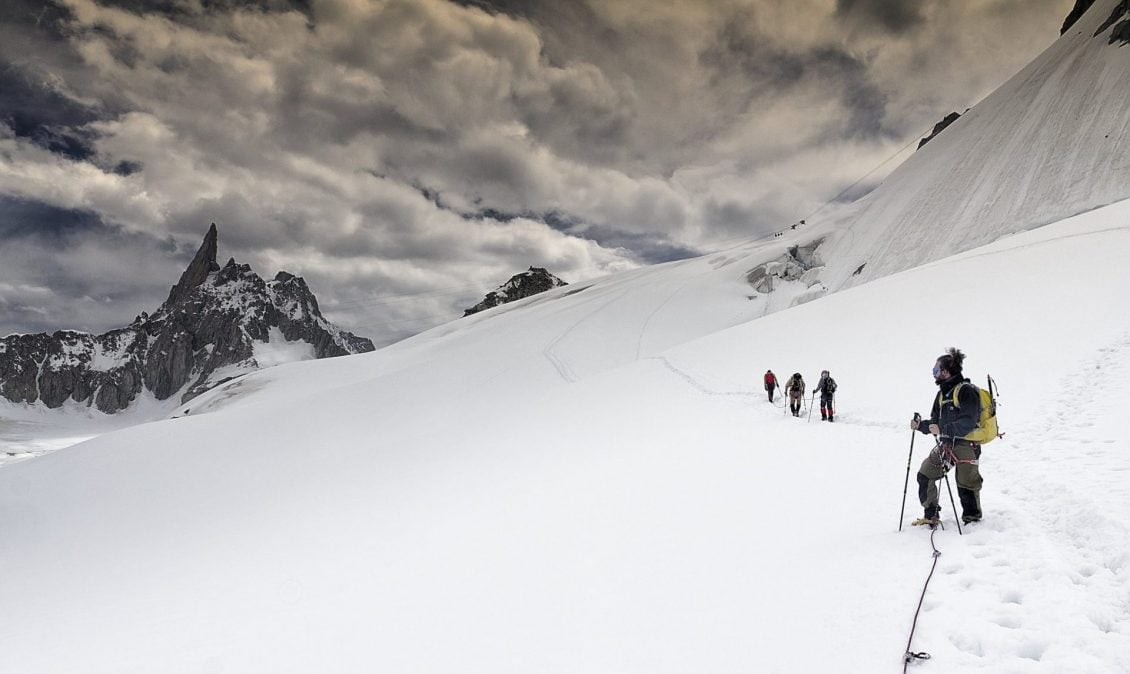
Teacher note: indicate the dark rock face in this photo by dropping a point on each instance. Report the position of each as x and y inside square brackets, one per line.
[520, 286]
[291, 293]
[1121, 33]
[1080, 8]
[1118, 19]
[939, 127]
[202, 264]
[209, 330]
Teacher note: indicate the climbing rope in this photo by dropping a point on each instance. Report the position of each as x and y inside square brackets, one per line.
[910, 656]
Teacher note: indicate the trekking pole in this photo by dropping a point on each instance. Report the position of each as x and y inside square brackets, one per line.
[811, 406]
[952, 502]
[906, 482]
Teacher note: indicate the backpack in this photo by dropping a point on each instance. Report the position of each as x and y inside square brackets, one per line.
[830, 385]
[987, 429]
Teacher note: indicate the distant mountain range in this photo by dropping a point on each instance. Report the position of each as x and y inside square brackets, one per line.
[218, 323]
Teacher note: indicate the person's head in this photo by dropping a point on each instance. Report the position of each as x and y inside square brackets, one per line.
[796, 375]
[948, 364]
[824, 373]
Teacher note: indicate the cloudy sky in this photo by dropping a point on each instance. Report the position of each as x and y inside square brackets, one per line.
[407, 156]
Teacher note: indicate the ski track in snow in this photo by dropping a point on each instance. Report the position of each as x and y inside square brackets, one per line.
[651, 315]
[560, 363]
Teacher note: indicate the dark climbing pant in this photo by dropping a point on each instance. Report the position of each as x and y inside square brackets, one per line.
[770, 390]
[968, 480]
[826, 406]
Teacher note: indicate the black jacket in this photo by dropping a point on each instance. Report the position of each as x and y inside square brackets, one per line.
[823, 385]
[954, 422]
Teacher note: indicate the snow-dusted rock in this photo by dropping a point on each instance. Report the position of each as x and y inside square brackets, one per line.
[939, 127]
[206, 332]
[520, 286]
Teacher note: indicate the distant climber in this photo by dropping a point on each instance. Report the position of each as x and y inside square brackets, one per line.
[771, 383]
[795, 388]
[827, 389]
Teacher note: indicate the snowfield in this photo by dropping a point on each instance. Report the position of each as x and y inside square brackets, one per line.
[591, 480]
[500, 496]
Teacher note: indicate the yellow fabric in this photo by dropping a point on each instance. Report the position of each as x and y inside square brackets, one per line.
[986, 430]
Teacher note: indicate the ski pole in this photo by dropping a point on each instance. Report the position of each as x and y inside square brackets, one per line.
[906, 482]
[952, 502]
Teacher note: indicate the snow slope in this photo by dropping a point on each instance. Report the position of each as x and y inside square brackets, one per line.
[502, 500]
[1049, 143]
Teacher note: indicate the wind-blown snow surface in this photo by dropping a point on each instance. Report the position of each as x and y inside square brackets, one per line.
[567, 484]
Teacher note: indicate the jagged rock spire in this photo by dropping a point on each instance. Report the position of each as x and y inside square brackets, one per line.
[202, 264]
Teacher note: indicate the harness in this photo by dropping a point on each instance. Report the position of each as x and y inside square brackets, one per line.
[945, 450]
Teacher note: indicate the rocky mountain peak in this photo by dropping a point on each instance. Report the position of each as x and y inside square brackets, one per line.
[218, 323]
[203, 263]
[520, 286]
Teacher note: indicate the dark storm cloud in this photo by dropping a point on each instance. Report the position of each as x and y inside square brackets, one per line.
[646, 248]
[35, 15]
[22, 219]
[741, 49]
[765, 69]
[894, 16]
[30, 103]
[861, 97]
[412, 146]
[84, 284]
[180, 9]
